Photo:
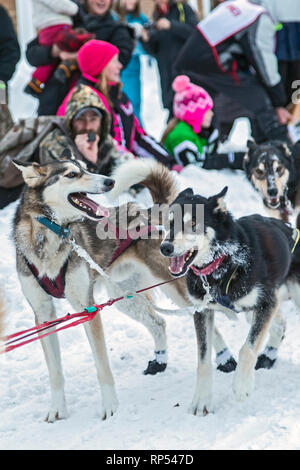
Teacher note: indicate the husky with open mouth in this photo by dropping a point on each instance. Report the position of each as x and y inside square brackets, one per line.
[229, 264]
[59, 195]
[273, 168]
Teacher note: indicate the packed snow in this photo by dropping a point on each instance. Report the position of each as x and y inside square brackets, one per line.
[152, 413]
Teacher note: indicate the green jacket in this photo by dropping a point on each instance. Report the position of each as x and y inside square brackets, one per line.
[186, 146]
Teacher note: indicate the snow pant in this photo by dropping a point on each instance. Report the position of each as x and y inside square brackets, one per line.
[250, 94]
[8, 195]
[226, 112]
[221, 161]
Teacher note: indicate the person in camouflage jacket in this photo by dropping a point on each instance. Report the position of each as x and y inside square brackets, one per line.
[77, 131]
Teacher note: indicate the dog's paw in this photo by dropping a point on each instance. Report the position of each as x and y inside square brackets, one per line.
[58, 410]
[243, 386]
[264, 362]
[228, 366]
[267, 359]
[200, 407]
[109, 401]
[225, 361]
[154, 367]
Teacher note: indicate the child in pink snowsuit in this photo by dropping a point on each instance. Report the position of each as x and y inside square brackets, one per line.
[53, 20]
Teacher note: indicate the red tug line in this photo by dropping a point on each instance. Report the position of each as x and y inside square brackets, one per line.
[14, 341]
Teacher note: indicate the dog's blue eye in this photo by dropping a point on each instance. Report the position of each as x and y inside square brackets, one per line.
[72, 174]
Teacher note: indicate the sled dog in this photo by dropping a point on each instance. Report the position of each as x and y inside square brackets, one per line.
[57, 193]
[273, 168]
[243, 265]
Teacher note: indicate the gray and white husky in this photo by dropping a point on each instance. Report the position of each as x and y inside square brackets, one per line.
[47, 267]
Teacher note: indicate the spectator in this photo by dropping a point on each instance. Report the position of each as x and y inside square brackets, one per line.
[130, 12]
[173, 22]
[85, 128]
[226, 109]
[231, 52]
[53, 21]
[100, 68]
[98, 18]
[50, 19]
[190, 136]
[9, 57]
[95, 17]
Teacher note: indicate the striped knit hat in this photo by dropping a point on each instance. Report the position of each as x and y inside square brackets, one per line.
[190, 102]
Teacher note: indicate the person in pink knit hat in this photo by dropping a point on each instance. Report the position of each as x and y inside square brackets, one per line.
[190, 136]
[100, 70]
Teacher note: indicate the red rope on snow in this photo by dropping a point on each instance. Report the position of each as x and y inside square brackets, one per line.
[14, 341]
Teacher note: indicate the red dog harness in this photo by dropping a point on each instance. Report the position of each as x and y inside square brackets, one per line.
[56, 287]
[125, 243]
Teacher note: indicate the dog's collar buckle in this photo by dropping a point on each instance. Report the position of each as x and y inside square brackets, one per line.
[204, 281]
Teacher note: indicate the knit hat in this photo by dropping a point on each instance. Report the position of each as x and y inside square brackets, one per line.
[190, 102]
[93, 57]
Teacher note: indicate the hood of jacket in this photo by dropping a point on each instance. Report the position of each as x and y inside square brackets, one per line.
[84, 97]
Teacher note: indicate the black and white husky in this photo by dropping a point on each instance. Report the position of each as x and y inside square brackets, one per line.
[239, 265]
[273, 169]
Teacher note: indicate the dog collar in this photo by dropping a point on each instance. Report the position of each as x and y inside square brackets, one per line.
[57, 229]
[210, 268]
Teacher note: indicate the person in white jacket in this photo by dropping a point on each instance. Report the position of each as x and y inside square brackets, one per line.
[232, 51]
[50, 18]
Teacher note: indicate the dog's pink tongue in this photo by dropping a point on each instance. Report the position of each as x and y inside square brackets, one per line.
[98, 210]
[177, 264]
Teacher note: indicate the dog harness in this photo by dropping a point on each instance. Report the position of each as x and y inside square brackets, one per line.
[56, 287]
[125, 242]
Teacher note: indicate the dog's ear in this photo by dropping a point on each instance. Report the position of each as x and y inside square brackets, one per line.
[246, 160]
[188, 192]
[33, 173]
[251, 145]
[286, 149]
[67, 154]
[218, 201]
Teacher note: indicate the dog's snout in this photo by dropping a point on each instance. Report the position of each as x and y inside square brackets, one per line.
[272, 192]
[167, 249]
[109, 183]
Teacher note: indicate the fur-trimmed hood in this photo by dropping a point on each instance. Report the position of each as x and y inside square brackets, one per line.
[84, 97]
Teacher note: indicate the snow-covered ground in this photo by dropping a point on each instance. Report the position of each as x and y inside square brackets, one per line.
[153, 409]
